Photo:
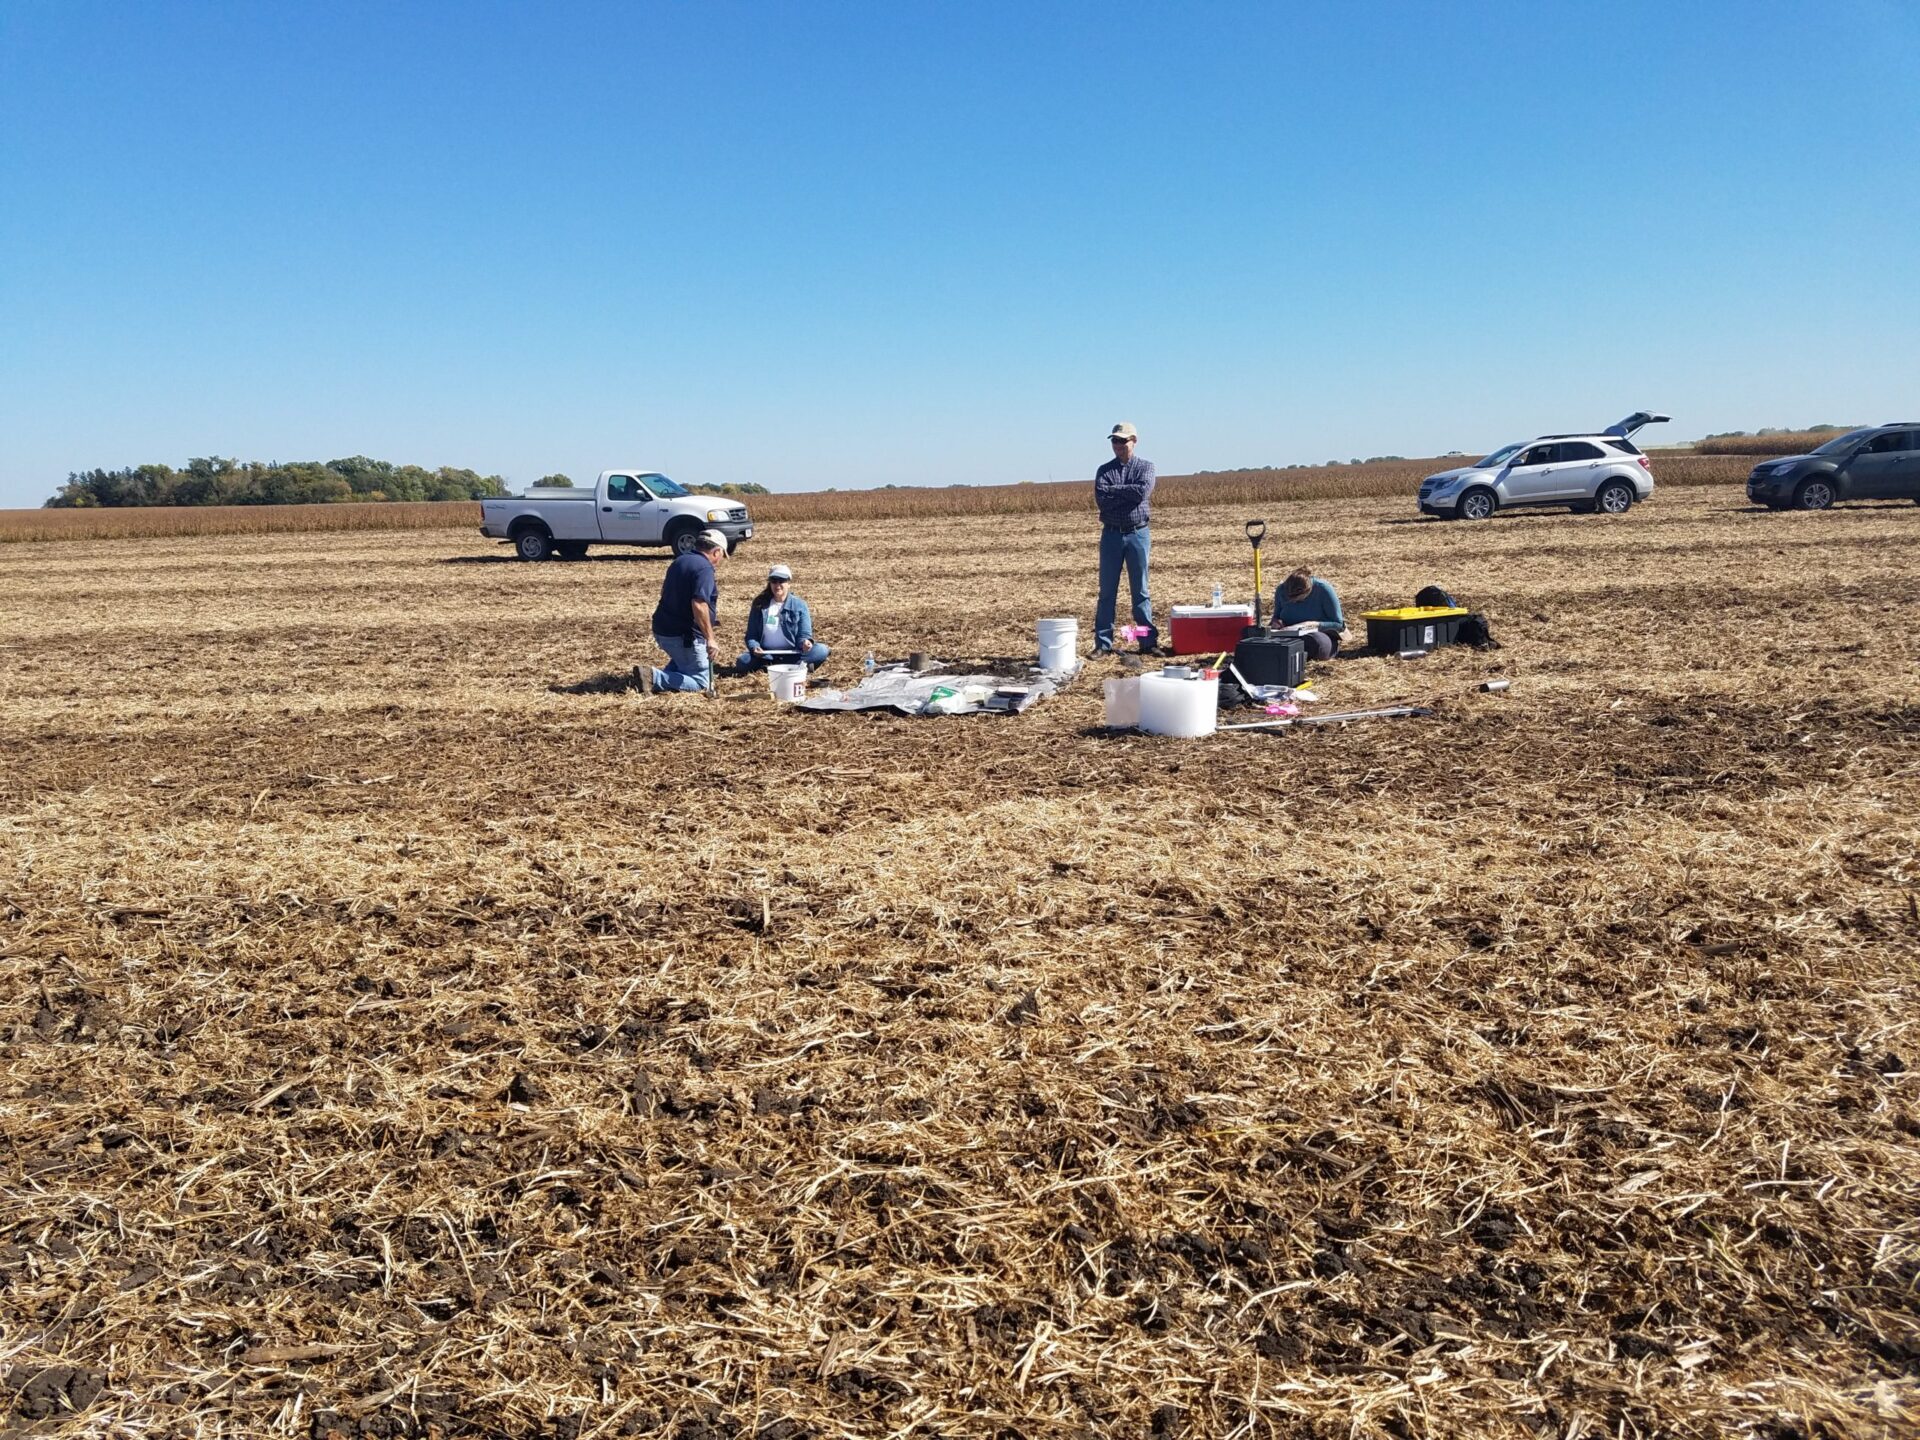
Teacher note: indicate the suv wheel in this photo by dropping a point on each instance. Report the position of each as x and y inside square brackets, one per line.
[1478, 504]
[1814, 494]
[1614, 498]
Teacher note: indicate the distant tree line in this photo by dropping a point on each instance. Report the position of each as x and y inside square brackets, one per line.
[214, 480]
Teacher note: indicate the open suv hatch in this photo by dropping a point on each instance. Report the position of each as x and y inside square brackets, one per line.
[1596, 471]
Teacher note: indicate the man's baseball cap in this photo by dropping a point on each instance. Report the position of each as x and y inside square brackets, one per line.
[779, 572]
[1123, 431]
[713, 540]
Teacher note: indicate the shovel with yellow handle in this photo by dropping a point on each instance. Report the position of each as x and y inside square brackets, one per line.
[1256, 532]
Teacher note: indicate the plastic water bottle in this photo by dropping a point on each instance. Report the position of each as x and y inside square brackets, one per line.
[867, 665]
[1218, 595]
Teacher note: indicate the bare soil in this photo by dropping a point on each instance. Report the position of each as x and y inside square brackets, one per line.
[405, 1030]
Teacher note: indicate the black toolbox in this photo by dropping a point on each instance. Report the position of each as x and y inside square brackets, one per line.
[1265, 658]
[1413, 627]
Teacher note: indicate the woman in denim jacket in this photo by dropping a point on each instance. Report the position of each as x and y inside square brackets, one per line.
[779, 620]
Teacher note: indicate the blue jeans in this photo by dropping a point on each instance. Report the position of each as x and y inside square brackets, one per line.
[1119, 547]
[758, 659]
[687, 666]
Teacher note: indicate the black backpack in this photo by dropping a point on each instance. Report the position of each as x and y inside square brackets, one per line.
[1473, 628]
[1473, 631]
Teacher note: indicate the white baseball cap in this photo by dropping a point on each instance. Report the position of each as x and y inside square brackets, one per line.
[713, 540]
[1123, 431]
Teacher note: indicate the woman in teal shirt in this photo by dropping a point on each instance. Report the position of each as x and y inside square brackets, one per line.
[1310, 608]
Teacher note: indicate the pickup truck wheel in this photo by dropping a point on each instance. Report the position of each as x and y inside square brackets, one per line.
[572, 549]
[1477, 505]
[682, 538]
[1615, 498]
[533, 544]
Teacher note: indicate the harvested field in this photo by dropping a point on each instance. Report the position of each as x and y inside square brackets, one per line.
[1226, 487]
[1779, 442]
[150, 522]
[392, 1045]
[1381, 478]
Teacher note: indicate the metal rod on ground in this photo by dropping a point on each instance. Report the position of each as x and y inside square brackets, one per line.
[1392, 712]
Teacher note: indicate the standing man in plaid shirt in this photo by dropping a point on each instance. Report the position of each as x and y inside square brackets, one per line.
[1121, 488]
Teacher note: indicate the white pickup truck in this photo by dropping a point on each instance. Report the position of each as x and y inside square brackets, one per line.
[624, 507]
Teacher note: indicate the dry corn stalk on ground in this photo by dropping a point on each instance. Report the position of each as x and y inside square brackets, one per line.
[393, 1045]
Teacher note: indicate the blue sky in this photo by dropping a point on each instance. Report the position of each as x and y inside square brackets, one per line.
[852, 244]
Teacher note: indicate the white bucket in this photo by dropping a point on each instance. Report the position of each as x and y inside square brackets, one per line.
[1059, 640]
[1123, 703]
[1186, 708]
[789, 682]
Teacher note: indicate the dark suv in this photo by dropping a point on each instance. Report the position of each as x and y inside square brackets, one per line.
[1881, 462]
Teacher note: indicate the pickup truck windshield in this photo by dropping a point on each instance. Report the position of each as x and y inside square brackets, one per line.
[663, 488]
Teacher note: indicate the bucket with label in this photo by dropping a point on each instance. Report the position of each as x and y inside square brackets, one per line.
[1059, 640]
[789, 682]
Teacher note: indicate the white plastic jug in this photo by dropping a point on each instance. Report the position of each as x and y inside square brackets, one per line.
[1059, 640]
[788, 682]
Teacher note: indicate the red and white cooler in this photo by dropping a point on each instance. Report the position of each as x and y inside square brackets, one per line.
[1208, 629]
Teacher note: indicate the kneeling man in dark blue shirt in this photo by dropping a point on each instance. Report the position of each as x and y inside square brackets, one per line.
[683, 620]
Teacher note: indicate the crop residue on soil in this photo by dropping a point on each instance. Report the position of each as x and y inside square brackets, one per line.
[407, 1029]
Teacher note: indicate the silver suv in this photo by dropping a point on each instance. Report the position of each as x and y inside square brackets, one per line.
[1604, 472]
